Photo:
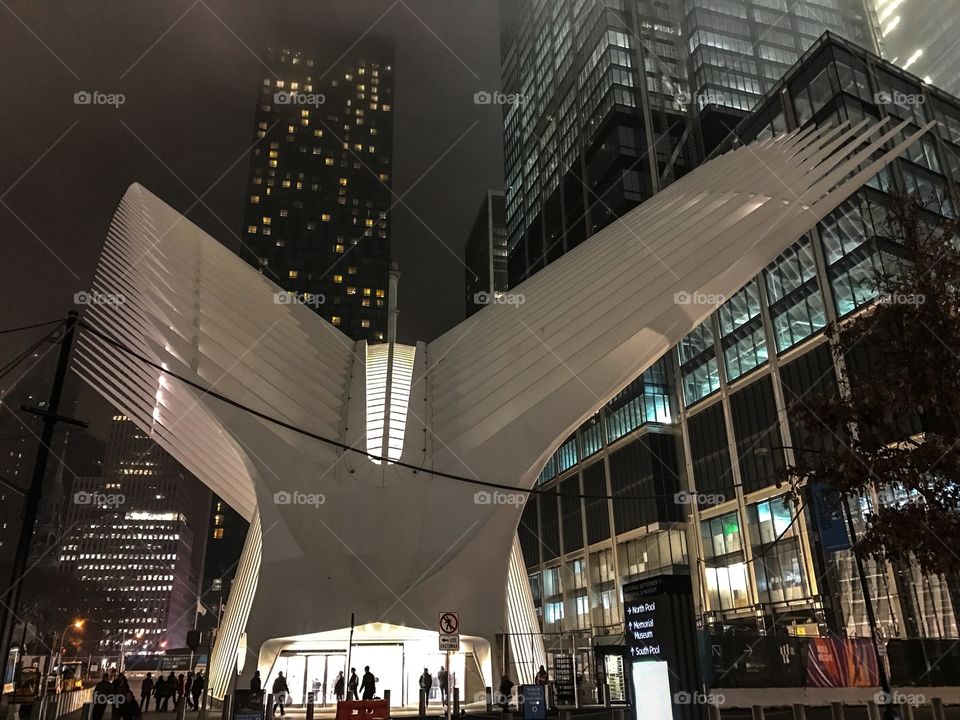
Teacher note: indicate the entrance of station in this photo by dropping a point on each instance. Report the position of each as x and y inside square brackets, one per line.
[397, 666]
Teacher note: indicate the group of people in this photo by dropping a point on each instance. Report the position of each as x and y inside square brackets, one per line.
[175, 687]
[443, 682]
[116, 693]
[367, 686]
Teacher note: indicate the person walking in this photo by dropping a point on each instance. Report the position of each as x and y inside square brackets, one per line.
[280, 691]
[368, 686]
[130, 708]
[101, 697]
[199, 683]
[146, 690]
[338, 686]
[196, 690]
[256, 684]
[352, 684]
[426, 683]
[171, 691]
[442, 682]
[506, 691]
[159, 688]
[188, 688]
[541, 678]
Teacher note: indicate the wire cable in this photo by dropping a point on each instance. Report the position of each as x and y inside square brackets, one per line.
[347, 448]
[30, 327]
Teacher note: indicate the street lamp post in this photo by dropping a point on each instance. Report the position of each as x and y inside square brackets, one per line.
[864, 587]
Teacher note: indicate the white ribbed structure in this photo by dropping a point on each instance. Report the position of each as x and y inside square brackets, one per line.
[490, 399]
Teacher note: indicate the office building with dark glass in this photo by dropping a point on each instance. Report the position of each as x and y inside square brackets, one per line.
[485, 255]
[677, 448]
[618, 99]
[318, 193]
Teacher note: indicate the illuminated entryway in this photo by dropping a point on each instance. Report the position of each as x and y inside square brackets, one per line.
[396, 655]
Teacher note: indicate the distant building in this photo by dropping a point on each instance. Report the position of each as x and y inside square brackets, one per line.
[485, 256]
[226, 532]
[317, 219]
[132, 542]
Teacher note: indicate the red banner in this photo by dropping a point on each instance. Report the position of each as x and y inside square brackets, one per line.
[841, 662]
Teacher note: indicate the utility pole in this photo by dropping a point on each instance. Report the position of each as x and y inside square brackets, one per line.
[8, 609]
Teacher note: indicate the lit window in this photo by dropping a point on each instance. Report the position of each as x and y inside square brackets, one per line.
[318, 133]
[293, 274]
[351, 291]
[381, 293]
[365, 323]
[328, 161]
[384, 177]
[218, 533]
[338, 248]
[266, 219]
[325, 217]
[251, 228]
[352, 270]
[338, 278]
[335, 319]
[366, 292]
[254, 199]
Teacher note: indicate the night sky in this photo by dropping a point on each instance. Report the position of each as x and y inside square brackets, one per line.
[190, 72]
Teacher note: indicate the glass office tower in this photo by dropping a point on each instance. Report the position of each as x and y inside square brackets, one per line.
[687, 432]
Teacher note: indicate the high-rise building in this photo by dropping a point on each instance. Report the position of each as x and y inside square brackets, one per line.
[226, 532]
[133, 544]
[606, 98]
[686, 433]
[317, 217]
[921, 37]
[485, 255]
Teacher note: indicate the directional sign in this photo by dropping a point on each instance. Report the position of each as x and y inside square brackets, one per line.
[449, 623]
[450, 642]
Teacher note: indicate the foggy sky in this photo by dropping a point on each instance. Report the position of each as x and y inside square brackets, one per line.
[190, 72]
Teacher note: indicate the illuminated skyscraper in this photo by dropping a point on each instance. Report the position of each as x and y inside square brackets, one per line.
[317, 218]
[614, 101]
[131, 541]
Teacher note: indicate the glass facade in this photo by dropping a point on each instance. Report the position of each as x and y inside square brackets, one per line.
[723, 402]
